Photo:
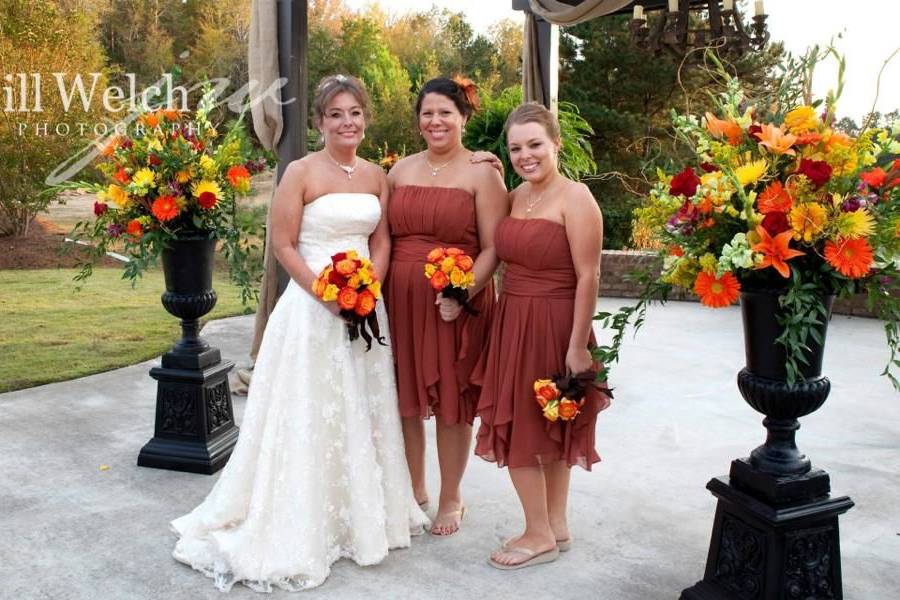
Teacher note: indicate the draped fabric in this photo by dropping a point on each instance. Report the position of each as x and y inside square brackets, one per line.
[559, 13]
[265, 109]
[556, 13]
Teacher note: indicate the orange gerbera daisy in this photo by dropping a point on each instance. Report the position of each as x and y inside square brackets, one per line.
[774, 199]
[164, 208]
[717, 292]
[724, 128]
[775, 251]
[851, 258]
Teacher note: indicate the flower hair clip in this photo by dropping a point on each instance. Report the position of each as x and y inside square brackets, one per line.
[469, 89]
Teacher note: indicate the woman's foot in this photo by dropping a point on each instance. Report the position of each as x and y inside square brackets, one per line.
[524, 549]
[448, 520]
[563, 537]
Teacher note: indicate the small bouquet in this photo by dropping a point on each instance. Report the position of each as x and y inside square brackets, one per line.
[449, 270]
[562, 396]
[351, 282]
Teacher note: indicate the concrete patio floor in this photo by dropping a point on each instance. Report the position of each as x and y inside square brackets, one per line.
[641, 520]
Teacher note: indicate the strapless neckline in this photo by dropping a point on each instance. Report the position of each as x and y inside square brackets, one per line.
[338, 194]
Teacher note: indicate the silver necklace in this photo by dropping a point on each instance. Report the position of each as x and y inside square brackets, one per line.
[348, 169]
[436, 169]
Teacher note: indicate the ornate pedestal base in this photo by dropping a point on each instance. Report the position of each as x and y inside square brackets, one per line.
[195, 430]
[774, 538]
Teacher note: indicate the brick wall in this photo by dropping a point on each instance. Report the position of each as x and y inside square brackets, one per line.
[618, 263]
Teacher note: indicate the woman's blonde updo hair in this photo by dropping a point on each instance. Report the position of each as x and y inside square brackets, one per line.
[333, 85]
[533, 112]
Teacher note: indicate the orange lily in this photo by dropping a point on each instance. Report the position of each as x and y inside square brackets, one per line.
[776, 140]
[724, 128]
[775, 251]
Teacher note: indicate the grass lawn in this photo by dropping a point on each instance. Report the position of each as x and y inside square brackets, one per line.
[51, 332]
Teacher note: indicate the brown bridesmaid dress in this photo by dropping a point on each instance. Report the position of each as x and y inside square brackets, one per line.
[528, 340]
[434, 359]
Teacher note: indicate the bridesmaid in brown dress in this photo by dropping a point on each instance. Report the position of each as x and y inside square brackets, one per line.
[551, 246]
[441, 198]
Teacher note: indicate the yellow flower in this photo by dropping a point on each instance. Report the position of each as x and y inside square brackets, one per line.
[144, 178]
[375, 288]
[807, 220]
[330, 293]
[208, 166]
[354, 255]
[117, 196]
[183, 176]
[801, 119]
[682, 272]
[551, 411]
[365, 275]
[457, 277]
[154, 144]
[750, 173]
[206, 186]
[469, 281]
[447, 264]
[856, 224]
[709, 263]
[354, 281]
[430, 269]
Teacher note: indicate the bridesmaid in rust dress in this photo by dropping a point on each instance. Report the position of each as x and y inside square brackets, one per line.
[551, 246]
[441, 198]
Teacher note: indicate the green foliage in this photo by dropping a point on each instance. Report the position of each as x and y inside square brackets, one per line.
[484, 131]
[39, 37]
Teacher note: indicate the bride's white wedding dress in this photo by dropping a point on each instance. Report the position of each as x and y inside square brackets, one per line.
[319, 470]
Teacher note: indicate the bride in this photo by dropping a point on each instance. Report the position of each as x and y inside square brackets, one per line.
[319, 470]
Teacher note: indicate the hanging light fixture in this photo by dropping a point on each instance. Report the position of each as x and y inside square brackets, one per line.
[672, 31]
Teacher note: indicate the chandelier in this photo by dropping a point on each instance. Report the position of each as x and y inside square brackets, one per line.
[725, 31]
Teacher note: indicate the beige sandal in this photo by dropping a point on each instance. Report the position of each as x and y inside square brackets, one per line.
[563, 545]
[533, 558]
[461, 512]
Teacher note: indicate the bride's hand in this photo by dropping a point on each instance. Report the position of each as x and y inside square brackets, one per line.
[488, 157]
[449, 308]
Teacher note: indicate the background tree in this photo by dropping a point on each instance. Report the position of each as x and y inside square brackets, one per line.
[37, 36]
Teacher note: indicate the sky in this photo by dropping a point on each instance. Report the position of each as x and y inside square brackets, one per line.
[866, 41]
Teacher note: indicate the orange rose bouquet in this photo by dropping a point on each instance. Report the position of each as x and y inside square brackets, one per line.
[350, 281]
[449, 270]
[562, 396]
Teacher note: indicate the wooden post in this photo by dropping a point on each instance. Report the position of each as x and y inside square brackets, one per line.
[293, 38]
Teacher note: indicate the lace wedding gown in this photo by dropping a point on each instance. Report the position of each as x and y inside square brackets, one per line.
[319, 470]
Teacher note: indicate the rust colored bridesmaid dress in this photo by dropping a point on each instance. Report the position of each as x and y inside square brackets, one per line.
[528, 340]
[434, 359]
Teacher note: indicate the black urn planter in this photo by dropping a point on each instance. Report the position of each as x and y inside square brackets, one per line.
[775, 534]
[194, 429]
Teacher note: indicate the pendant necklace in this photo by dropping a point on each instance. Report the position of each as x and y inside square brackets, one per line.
[348, 169]
[435, 169]
[531, 202]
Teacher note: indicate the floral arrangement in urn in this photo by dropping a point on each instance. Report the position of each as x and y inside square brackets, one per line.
[172, 177]
[777, 197]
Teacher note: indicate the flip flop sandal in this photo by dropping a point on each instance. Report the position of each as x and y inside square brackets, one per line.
[563, 545]
[534, 559]
[461, 512]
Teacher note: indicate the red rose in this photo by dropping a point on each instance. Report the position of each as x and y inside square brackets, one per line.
[817, 171]
[155, 160]
[775, 223]
[439, 281]
[336, 278]
[100, 208]
[708, 167]
[685, 183]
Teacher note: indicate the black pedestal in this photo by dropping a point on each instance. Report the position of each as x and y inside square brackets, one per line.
[195, 430]
[774, 538]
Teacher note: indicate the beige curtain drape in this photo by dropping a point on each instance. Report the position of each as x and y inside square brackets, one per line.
[268, 124]
[556, 13]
